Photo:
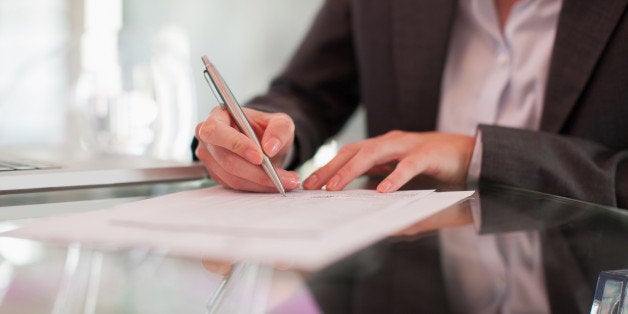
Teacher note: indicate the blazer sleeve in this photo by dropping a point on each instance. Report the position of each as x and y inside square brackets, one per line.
[319, 87]
[555, 164]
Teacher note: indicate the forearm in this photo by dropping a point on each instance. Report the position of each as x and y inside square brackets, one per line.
[319, 87]
[555, 164]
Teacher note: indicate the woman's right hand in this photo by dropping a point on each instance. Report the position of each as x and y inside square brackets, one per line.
[233, 160]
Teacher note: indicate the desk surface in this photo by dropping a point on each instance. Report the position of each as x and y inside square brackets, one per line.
[564, 242]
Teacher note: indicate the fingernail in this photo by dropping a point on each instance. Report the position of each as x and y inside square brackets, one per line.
[332, 184]
[271, 147]
[311, 182]
[384, 187]
[294, 181]
[253, 156]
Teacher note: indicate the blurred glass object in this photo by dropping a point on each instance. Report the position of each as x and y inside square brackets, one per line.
[174, 93]
[152, 115]
[98, 90]
[147, 108]
[610, 293]
[611, 299]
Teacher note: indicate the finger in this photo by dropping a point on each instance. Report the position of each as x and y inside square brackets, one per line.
[232, 165]
[215, 131]
[372, 152]
[321, 176]
[290, 180]
[203, 155]
[222, 177]
[369, 155]
[218, 115]
[227, 179]
[208, 160]
[406, 169]
[278, 134]
[380, 170]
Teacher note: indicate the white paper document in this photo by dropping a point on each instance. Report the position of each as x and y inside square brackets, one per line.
[305, 229]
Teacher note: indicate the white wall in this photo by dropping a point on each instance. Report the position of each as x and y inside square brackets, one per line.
[40, 46]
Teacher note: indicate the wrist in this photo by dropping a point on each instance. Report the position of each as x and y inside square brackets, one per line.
[475, 164]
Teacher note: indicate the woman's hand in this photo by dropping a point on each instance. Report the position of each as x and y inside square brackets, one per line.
[233, 160]
[443, 156]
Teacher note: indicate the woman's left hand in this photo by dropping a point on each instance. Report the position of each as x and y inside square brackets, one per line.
[443, 156]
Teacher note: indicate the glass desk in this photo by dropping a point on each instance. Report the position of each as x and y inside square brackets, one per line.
[531, 251]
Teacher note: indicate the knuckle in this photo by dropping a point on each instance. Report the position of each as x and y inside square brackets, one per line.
[427, 150]
[407, 165]
[345, 172]
[201, 152]
[238, 146]
[347, 149]
[394, 133]
[289, 125]
[208, 129]
[369, 149]
[281, 116]
[215, 110]
[284, 122]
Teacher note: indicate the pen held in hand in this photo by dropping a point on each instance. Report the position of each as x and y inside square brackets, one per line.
[228, 102]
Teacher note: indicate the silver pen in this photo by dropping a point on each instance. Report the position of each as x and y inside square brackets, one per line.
[227, 101]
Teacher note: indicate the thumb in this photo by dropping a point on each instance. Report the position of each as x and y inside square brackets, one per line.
[278, 135]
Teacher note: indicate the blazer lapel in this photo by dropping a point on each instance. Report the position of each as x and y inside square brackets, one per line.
[583, 30]
[421, 31]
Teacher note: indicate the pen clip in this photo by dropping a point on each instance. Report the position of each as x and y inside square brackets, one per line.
[212, 87]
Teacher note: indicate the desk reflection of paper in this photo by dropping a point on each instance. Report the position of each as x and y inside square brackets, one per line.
[306, 229]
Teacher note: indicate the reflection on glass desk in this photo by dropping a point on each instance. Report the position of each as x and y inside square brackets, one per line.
[505, 249]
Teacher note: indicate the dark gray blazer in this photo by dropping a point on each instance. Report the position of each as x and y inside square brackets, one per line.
[389, 56]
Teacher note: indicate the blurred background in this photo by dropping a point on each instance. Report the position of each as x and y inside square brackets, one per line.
[124, 76]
